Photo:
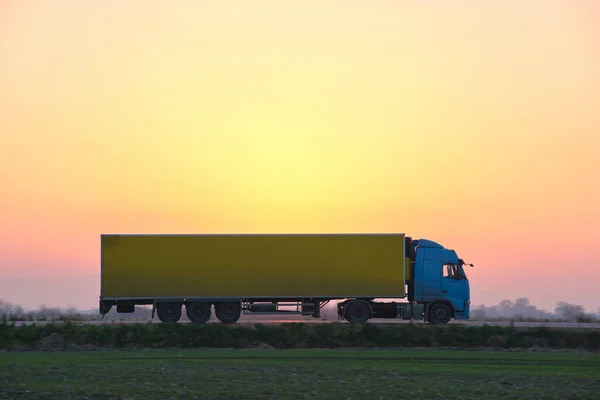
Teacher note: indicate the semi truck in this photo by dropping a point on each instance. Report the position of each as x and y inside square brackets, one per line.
[370, 275]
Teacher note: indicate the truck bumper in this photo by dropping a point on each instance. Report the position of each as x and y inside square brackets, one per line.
[464, 314]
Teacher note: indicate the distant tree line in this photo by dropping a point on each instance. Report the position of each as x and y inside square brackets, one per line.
[522, 310]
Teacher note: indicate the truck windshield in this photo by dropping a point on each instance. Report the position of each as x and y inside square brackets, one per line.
[454, 271]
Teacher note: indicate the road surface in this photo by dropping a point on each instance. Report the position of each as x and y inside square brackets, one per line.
[274, 321]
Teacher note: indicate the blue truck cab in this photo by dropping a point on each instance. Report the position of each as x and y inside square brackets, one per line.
[439, 282]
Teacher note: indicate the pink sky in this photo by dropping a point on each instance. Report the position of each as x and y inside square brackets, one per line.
[474, 124]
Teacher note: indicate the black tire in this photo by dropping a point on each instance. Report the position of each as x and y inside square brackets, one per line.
[358, 312]
[169, 312]
[440, 313]
[228, 313]
[198, 313]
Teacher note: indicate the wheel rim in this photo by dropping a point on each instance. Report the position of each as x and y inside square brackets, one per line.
[229, 312]
[358, 313]
[169, 312]
[440, 313]
[199, 310]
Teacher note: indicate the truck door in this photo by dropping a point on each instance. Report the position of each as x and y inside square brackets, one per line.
[452, 286]
[431, 275]
[431, 280]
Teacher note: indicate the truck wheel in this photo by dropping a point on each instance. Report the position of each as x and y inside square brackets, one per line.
[228, 313]
[168, 312]
[358, 312]
[198, 312]
[440, 313]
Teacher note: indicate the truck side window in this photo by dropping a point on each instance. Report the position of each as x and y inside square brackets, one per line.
[451, 271]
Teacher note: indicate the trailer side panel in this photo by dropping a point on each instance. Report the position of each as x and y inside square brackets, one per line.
[246, 266]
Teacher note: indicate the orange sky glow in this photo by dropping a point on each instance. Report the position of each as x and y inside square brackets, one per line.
[475, 124]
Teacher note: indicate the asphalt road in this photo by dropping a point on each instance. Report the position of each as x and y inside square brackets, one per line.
[250, 321]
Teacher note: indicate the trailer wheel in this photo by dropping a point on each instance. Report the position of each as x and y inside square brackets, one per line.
[198, 312]
[168, 312]
[228, 313]
[440, 313]
[358, 312]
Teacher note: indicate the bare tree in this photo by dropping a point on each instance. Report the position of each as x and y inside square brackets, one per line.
[570, 312]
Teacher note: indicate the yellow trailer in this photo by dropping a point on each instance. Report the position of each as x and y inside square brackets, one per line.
[240, 273]
[246, 266]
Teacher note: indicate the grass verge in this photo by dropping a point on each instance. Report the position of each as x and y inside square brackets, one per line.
[290, 335]
[295, 374]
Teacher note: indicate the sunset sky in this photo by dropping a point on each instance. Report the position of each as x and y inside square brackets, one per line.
[471, 123]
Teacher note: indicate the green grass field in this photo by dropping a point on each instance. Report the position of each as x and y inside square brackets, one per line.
[299, 374]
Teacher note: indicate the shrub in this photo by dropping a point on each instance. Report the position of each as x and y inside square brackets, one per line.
[294, 335]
